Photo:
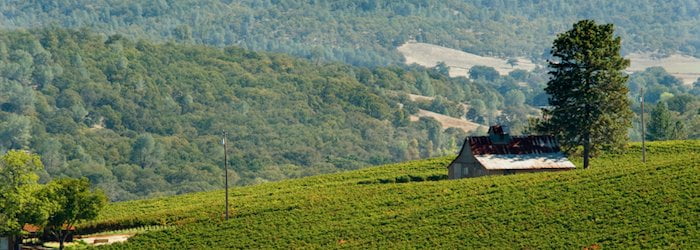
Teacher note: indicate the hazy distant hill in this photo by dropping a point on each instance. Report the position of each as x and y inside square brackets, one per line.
[367, 32]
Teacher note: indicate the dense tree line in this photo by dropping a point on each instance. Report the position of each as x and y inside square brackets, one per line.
[674, 107]
[140, 119]
[366, 32]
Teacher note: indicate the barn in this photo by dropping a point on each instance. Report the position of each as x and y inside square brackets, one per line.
[499, 153]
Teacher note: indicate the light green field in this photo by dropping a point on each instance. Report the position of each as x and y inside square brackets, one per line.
[618, 203]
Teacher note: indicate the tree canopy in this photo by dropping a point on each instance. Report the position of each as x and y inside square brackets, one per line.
[588, 92]
[71, 201]
[143, 119]
[18, 192]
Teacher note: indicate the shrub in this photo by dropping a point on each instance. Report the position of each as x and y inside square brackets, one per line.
[417, 178]
[403, 179]
[437, 177]
[385, 181]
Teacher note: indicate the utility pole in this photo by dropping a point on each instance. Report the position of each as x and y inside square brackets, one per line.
[641, 100]
[223, 141]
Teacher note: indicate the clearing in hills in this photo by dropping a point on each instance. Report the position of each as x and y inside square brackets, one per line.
[429, 55]
[686, 68]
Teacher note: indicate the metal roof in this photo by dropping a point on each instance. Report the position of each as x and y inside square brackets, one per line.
[525, 161]
[517, 152]
[518, 145]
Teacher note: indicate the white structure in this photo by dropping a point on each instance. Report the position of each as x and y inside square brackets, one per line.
[5, 243]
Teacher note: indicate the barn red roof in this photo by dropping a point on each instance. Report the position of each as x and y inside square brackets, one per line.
[29, 228]
[531, 144]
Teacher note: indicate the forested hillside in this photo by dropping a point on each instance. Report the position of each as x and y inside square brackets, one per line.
[367, 32]
[141, 119]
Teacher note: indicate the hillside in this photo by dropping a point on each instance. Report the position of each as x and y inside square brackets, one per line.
[444, 120]
[618, 203]
[447, 121]
[367, 32]
[460, 62]
[685, 68]
[142, 119]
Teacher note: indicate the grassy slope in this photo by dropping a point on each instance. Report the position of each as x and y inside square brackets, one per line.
[617, 203]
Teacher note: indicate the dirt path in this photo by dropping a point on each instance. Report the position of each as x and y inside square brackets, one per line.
[106, 239]
[447, 121]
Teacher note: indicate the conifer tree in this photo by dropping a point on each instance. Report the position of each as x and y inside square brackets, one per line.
[587, 88]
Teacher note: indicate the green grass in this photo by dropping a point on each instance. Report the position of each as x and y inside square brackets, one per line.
[618, 203]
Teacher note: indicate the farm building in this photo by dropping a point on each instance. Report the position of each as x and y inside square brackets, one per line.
[500, 153]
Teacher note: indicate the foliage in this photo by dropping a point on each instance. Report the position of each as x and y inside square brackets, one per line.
[488, 73]
[72, 201]
[367, 32]
[618, 203]
[661, 87]
[660, 125]
[587, 90]
[18, 190]
[141, 119]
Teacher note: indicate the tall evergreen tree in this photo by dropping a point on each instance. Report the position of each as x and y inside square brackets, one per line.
[588, 94]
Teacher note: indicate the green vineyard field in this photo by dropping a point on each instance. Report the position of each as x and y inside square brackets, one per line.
[618, 203]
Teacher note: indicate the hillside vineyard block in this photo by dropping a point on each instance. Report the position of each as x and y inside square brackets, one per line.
[499, 153]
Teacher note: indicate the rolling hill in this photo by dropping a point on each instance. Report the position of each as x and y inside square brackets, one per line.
[144, 119]
[618, 203]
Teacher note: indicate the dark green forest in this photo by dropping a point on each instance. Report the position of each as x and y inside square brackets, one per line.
[139, 118]
[365, 32]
